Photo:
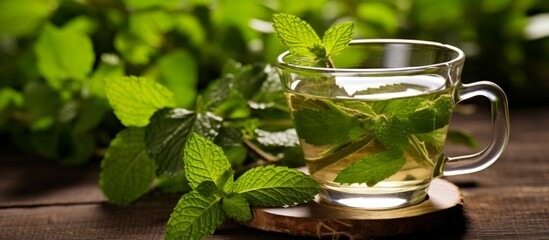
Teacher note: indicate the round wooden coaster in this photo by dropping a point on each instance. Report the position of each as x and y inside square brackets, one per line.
[321, 220]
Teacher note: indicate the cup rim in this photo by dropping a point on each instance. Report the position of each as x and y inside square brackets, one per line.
[460, 57]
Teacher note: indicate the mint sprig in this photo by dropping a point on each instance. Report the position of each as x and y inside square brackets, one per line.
[303, 42]
[215, 195]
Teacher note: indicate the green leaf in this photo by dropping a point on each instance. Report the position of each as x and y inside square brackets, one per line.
[337, 38]
[135, 99]
[126, 171]
[206, 188]
[166, 136]
[90, 113]
[41, 101]
[249, 79]
[462, 138]
[391, 133]
[418, 151]
[81, 148]
[297, 35]
[190, 26]
[229, 96]
[372, 169]
[204, 161]
[150, 26]
[270, 91]
[82, 24]
[178, 72]
[324, 127]
[400, 108]
[236, 207]
[432, 117]
[175, 184]
[195, 216]
[23, 17]
[9, 97]
[224, 100]
[272, 186]
[63, 55]
[378, 18]
[230, 140]
[144, 4]
[110, 66]
[132, 48]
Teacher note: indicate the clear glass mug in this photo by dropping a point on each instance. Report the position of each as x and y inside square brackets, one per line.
[373, 128]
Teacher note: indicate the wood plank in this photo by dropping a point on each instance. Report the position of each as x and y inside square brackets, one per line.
[48, 184]
[143, 220]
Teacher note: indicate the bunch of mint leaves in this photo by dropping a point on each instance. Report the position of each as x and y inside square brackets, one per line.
[234, 129]
[216, 195]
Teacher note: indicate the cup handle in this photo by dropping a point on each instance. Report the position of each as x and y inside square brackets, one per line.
[500, 130]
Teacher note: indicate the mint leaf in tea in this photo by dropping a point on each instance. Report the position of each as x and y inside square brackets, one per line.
[371, 134]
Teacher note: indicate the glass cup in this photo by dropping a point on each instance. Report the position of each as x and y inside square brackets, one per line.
[373, 127]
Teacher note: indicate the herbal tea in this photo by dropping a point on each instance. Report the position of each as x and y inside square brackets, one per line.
[360, 136]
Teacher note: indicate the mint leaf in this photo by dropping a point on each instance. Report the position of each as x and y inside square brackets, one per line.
[90, 113]
[418, 151]
[297, 35]
[230, 140]
[228, 96]
[167, 133]
[140, 4]
[432, 117]
[23, 17]
[63, 55]
[126, 171]
[324, 127]
[402, 108]
[372, 169]
[391, 133]
[272, 186]
[150, 26]
[207, 189]
[9, 97]
[181, 81]
[175, 184]
[236, 207]
[204, 161]
[132, 48]
[135, 99]
[195, 216]
[337, 37]
[461, 137]
[110, 66]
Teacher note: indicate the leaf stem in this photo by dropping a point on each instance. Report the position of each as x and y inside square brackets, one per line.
[419, 148]
[347, 150]
[329, 62]
[262, 154]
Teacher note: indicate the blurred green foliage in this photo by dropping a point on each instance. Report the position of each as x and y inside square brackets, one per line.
[55, 54]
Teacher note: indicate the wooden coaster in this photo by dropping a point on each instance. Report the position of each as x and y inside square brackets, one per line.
[321, 220]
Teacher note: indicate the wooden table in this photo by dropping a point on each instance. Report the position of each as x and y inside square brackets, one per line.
[509, 200]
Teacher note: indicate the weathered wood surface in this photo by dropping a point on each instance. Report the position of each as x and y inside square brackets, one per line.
[509, 200]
